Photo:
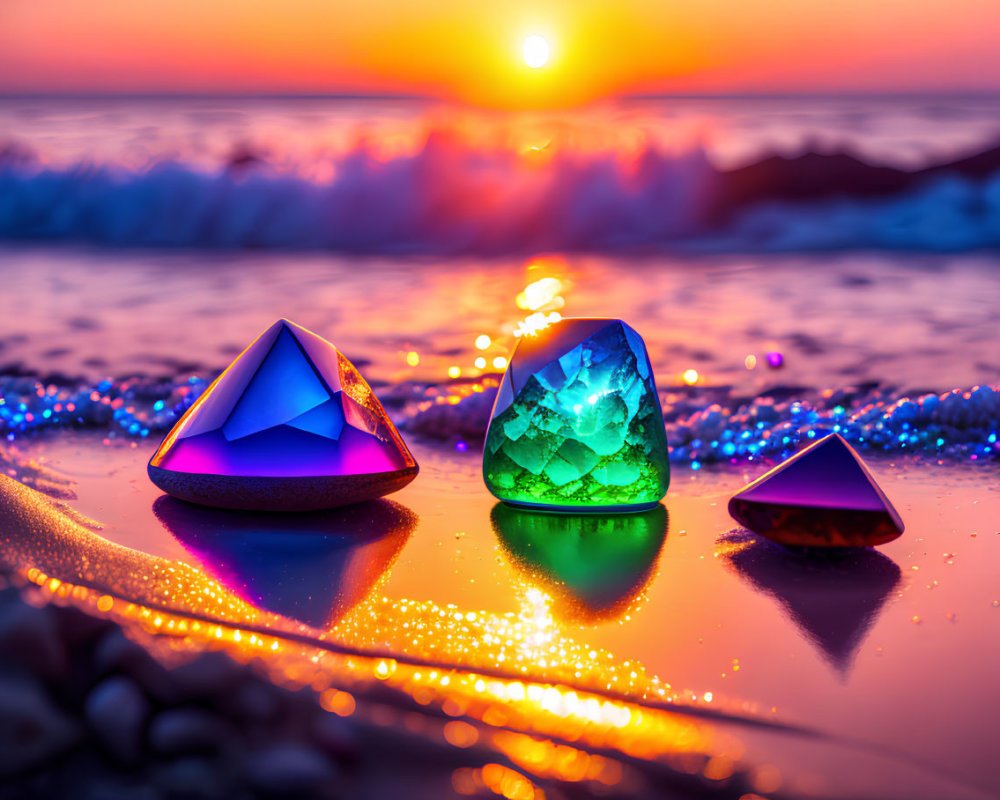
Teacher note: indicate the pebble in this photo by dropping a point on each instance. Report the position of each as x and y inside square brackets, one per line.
[117, 710]
[251, 700]
[207, 676]
[116, 653]
[250, 740]
[32, 729]
[291, 770]
[76, 627]
[30, 638]
[178, 731]
[337, 736]
[194, 778]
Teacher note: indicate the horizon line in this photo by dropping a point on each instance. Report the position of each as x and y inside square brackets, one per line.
[226, 94]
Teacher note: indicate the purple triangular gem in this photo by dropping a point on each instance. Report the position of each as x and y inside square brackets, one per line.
[823, 496]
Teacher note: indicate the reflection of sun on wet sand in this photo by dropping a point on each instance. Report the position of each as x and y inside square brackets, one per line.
[594, 565]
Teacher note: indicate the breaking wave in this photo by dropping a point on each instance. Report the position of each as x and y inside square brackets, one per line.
[450, 197]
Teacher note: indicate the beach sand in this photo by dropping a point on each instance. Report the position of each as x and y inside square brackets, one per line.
[725, 647]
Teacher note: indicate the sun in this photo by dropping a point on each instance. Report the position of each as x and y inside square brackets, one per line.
[535, 51]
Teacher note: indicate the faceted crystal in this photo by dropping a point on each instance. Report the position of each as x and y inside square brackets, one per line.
[289, 425]
[577, 422]
[593, 565]
[823, 496]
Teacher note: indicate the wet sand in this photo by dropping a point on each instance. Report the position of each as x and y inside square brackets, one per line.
[866, 653]
[839, 320]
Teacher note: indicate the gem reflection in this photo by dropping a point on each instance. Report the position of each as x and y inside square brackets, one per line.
[834, 599]
[311, 567]
[594, 566]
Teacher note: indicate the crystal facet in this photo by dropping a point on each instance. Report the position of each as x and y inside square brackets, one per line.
[593, 565]
[823, 496]
[290, 425]
[577, 422]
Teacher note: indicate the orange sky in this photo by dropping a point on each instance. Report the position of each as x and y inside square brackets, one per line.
[471, 50]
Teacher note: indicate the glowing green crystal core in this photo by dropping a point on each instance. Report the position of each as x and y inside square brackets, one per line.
[577, 422]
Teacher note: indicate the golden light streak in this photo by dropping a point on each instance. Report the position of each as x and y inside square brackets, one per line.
[533, 323]
[531, 707]
[541, 294]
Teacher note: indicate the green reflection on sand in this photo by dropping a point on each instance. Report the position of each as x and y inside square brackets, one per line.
[594, 565]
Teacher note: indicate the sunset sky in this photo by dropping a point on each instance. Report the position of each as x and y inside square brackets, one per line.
[472, 50]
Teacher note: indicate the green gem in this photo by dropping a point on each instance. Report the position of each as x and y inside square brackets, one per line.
[577, 422]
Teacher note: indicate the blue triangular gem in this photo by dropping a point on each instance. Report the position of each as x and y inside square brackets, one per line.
[284, 387]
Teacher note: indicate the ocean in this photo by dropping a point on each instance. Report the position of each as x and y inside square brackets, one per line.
[411, 177]
[832, 228]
